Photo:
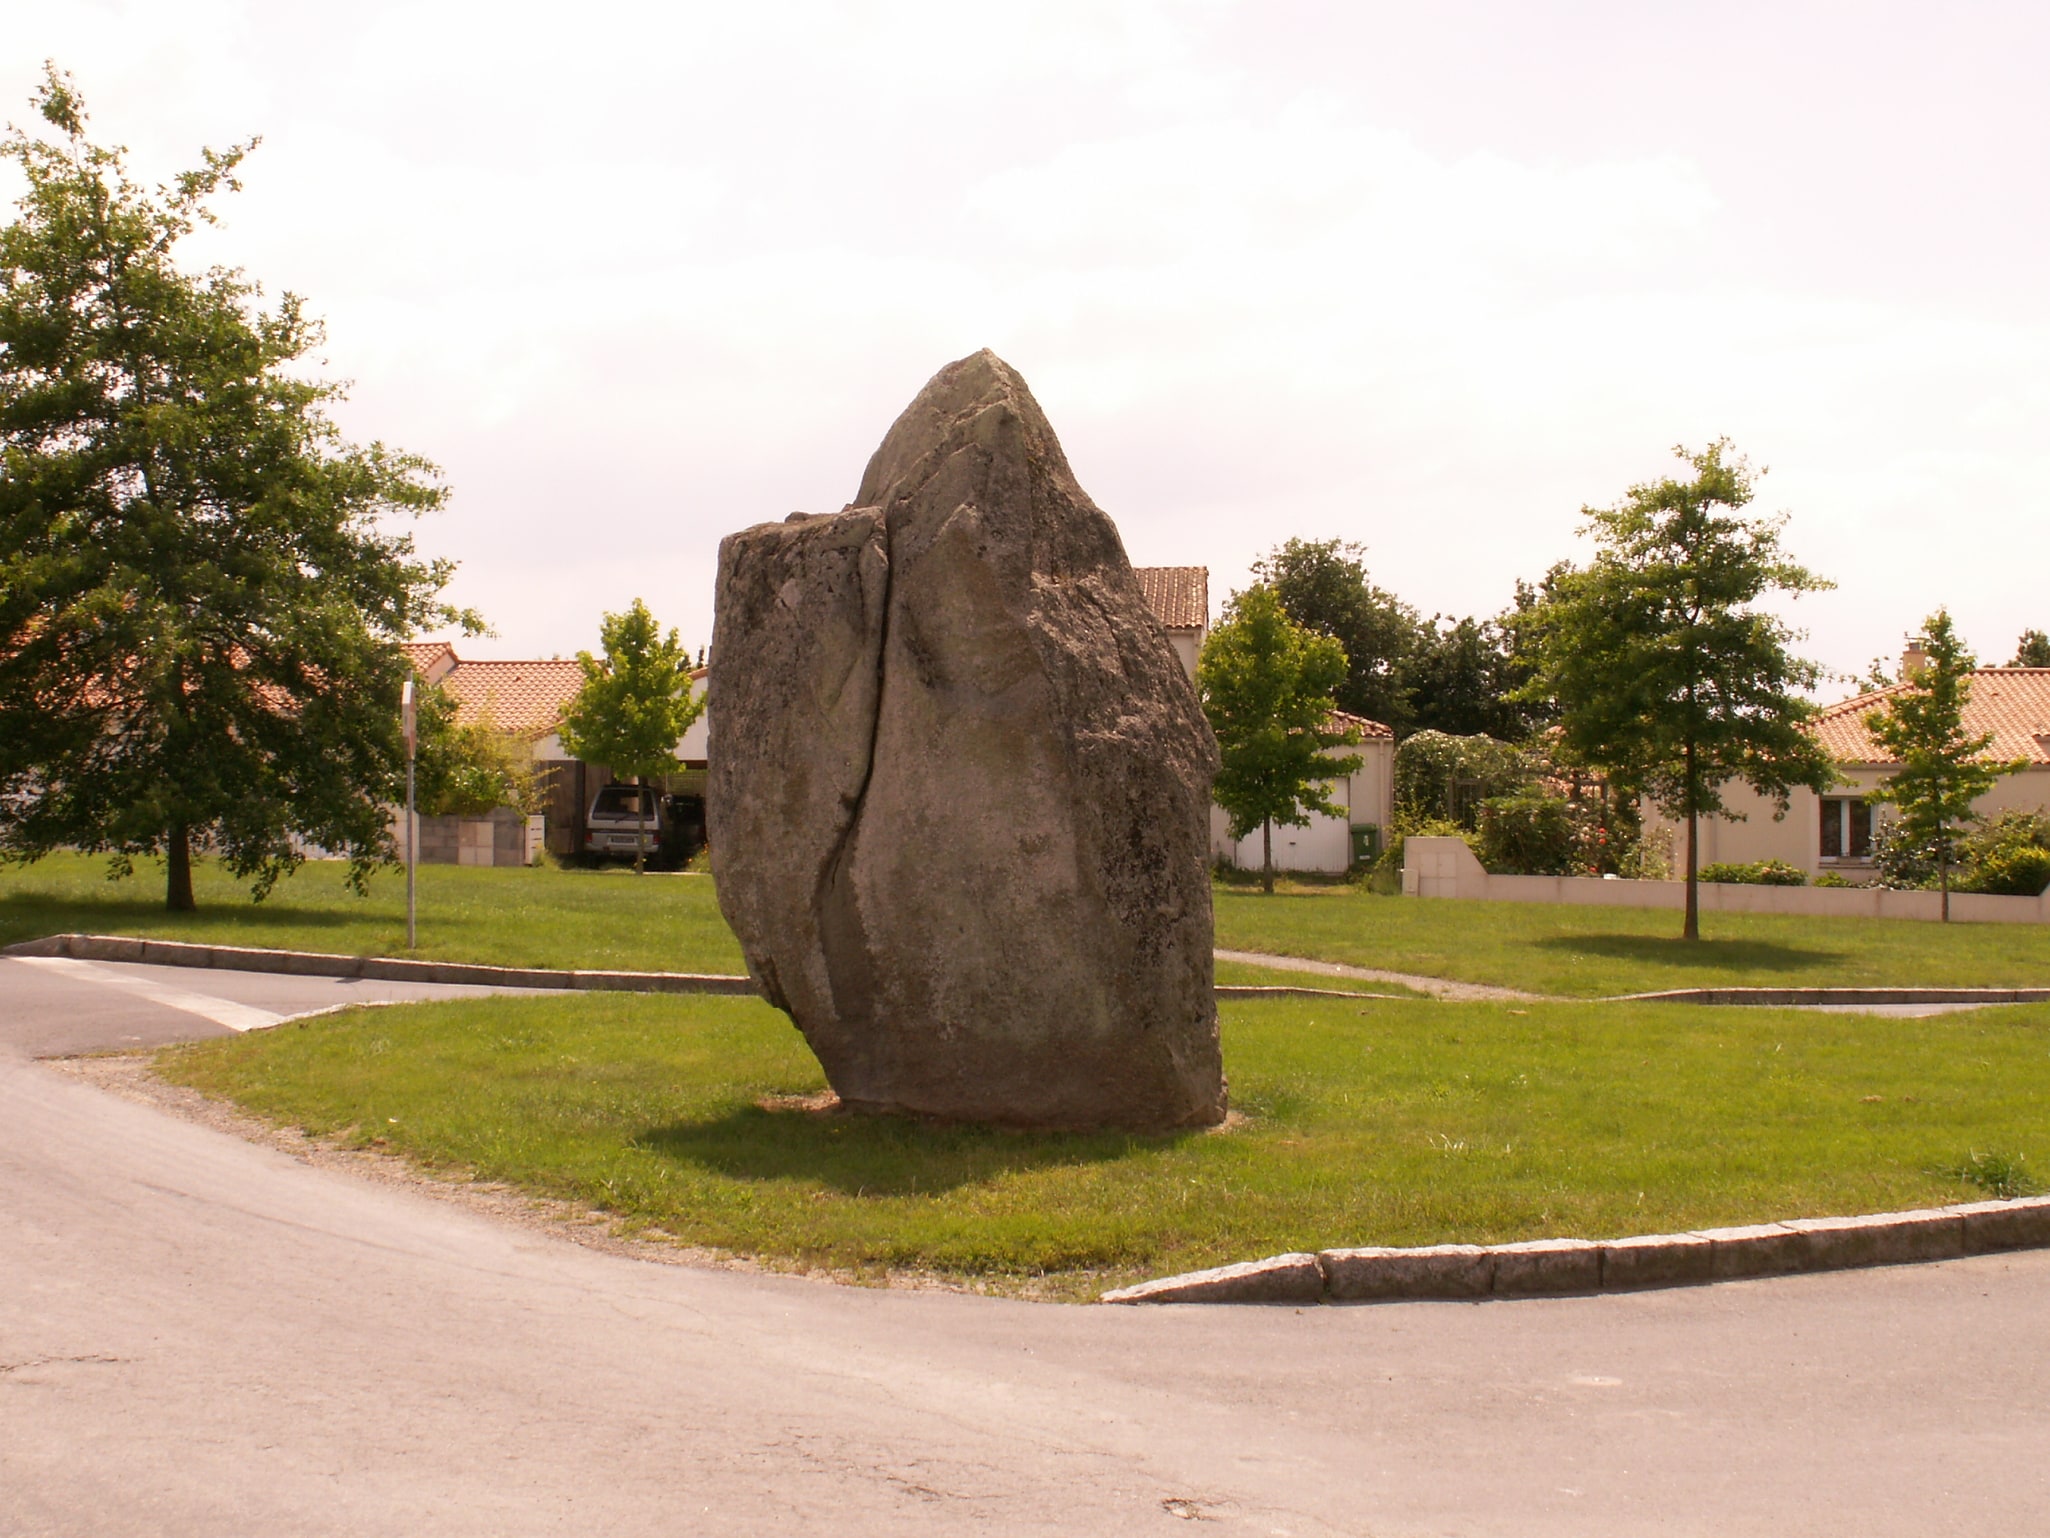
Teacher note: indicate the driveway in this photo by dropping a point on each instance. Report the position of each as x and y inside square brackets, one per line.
[199, 1335]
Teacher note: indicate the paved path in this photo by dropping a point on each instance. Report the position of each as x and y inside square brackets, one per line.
[1435, 987]
[199, 1335]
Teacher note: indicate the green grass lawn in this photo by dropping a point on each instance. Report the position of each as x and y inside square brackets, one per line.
[541, 917]
[1365, 1121]
[1592, 952]
[553, 918]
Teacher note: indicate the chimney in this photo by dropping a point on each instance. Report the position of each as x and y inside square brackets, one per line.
[1914, 658]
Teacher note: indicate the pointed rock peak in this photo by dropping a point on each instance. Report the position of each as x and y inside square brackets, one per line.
[947, 412]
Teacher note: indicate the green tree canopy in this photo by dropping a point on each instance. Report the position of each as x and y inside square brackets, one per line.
[1267, 684]
[1323, 584]
[1665, 675]
[2032, 650]
[200, 588]
[1942, 772]
[636, 704]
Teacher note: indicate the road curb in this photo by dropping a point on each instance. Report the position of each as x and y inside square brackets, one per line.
[1557, 1267]
[1797, 996]
[181, 953]
[239, 958]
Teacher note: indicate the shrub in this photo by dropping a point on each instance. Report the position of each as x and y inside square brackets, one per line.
[1904, 863]
[1830, 878]
[1754, 873]
[2020, 872]
[2009, 856]
[1443, 777]
[1532, 832]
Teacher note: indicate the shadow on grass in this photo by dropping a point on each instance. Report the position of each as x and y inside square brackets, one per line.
[880, 1155]
[1722, 955]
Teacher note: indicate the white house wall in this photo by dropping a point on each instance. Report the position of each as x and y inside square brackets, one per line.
[1796, 839]
[1368, 796]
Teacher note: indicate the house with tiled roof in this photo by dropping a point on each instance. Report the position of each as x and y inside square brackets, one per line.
[1832, 832]
[528, 698]
[1179, 597]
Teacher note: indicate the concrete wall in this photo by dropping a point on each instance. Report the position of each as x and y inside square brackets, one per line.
[1367, 795]
[503, 838]
[1797, 838]
[1446, 867]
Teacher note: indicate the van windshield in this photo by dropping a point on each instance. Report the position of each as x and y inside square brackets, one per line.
[625, 801]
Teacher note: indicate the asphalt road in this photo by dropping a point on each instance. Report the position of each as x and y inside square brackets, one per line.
[203, 1336]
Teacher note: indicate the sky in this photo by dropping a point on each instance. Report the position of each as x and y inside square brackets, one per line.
[1430, 278]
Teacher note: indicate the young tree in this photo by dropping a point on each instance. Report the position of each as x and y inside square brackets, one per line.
[1323, 584]
[2032, 650]
[634, 706]
[1665, 676]
[1267, 685]
[200, 592]
[1942, 771]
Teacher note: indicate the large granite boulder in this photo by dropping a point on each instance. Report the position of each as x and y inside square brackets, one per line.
[960, 786]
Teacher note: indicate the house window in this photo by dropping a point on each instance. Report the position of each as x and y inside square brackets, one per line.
[1846, 828]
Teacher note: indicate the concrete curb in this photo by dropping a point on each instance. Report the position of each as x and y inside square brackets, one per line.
[1554, 1267]
[1796, 996]
[235, 958]
[179, 953]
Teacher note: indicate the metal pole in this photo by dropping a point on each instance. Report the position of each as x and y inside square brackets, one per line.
[407, 720]
[412, 849]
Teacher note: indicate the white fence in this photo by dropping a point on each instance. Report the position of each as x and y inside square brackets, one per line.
[1446, 867]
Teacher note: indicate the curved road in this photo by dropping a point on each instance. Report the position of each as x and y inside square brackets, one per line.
[201, 1336]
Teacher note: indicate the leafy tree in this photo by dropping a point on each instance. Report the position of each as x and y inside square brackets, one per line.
[2032, 650]
[1942, 772]
[1665, 676]
[200, 594]
[1322, 584]
[1461, 678]
[634, 706]
[1267, 686]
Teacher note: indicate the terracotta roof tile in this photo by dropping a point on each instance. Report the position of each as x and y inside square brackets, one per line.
[1179, 596]
[524, 697]
[432, 660]
[1368, 730]
[2011, 703]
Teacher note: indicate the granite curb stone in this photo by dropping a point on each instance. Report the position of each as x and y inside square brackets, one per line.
[1433, 1271]
[1555, 1267]
[181, 953]
[243, 958]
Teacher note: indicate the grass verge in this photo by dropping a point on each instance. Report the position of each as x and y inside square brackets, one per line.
[1593, 952]
[541, 917]
[1367, 1121]
[554, 918]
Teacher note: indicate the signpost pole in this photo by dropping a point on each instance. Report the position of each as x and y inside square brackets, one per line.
[406, 710]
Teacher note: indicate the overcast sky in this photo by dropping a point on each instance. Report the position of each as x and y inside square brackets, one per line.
[1430, 277]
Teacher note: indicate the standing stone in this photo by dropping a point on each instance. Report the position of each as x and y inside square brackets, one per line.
[960, 786]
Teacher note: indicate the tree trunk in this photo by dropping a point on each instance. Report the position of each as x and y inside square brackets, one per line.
[640, 827]
[1690, 928]
[1943, 870]
[178, 870]
[1267, 856]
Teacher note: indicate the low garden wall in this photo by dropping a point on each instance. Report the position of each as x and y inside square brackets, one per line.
[505, 837]
[1446, 867]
